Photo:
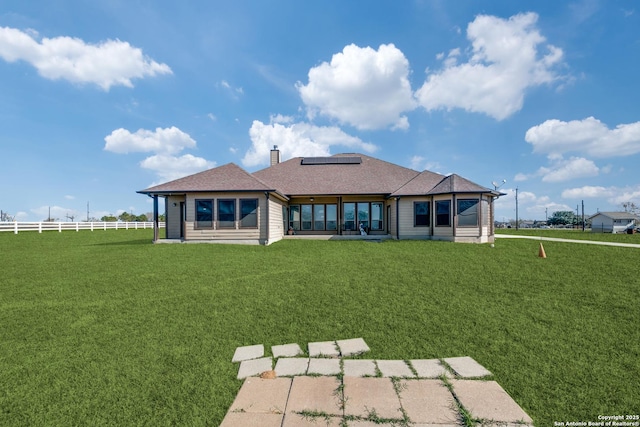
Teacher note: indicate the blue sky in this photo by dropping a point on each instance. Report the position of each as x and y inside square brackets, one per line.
[101, 99]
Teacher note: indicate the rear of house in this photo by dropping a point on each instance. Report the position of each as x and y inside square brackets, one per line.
[342, 195]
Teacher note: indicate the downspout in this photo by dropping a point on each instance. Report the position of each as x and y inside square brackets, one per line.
[266, 242]
[398, 218]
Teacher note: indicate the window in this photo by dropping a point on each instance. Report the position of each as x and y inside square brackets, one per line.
[349, 216]
[294, 217]
[226, 212]
[307, 217]
[249, 213]
[420, 214]
[468, 212]
[204, 213]
[332, 217]
[376, 216]
[318, 217]
[443, 213]
[363, 214]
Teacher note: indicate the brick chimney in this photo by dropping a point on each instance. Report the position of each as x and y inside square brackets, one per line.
[275, 155]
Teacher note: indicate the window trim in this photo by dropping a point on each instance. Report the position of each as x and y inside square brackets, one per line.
[428, 214]
[437, 215]
[254, 212]
[234, 213]
[460, 214]
[196, 224]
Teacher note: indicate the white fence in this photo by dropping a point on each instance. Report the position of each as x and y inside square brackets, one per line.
[16, 226]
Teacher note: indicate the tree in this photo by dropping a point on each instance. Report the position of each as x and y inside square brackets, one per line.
[562, 218]
[109, 218]
[630, 207]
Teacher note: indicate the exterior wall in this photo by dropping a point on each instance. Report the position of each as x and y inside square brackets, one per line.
[276, 221]
[172, 211]
[237, 233]
[406, 219]
[604, 224]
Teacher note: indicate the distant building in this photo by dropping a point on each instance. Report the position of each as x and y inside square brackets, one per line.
[613, 222]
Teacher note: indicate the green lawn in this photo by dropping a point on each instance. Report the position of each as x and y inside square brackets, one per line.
[105, 328]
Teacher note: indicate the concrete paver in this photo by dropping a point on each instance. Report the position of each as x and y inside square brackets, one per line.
[262, 396]
[242, 419]
[315, 394]
[429, 368]
[248, 352]
[352, 346]
[324, 366]
[394, 368]
[289, 366]
[466, 367]
[428, 402]
[286, 350]
[297, 420]
[488, 401]
[252, 367]
[367, 396]
[324, 348]
[359, 368]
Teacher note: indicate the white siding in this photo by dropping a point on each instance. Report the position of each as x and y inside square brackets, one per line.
[276, 222]
[407, 220]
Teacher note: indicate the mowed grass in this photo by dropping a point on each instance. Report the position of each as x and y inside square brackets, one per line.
[105, 328]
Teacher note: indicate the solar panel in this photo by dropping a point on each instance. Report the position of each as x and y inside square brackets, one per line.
[331, 160]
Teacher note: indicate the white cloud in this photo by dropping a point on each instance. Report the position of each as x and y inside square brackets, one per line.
[591, 136]
[280, 118]
[69, 197]
[169, 167]
[419, 163]
[169, 140]
[297, 140]
[212, 117]
[587, 191]
[564, 170]
[108, 63]
[520, 177]
[505, 61]
[366, 88]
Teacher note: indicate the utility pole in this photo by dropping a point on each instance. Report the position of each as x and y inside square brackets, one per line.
[87, 211]
[517, 222]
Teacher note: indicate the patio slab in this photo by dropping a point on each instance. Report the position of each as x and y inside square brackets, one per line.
[286, 350]
[324, 366]
[488, 401]
[297, 420]
[428, 402]
[290, 366]
[429, 368]
[262, 396]
[466, 367]
[248, 352]
[359, 368]
[394, 368]
[241, 419]
[365, 396]
[324, 348]
[352, 346]
[249, 368]
[315, 394]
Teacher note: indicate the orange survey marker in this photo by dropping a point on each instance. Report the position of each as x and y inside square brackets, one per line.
[541, 252]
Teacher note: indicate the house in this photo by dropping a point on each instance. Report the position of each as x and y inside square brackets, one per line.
[333, 197]
[613, 222]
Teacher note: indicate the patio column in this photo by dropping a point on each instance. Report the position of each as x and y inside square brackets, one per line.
[155, 218]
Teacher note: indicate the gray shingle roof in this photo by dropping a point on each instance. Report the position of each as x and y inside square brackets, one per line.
[229, 177]
[617, 215]
[293, 178]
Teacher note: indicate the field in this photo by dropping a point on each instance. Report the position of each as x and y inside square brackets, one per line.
[105, 328]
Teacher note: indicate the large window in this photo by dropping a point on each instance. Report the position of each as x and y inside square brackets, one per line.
[204, 213]
[318, 217]
[376, 216]
[226, 213]
[468, 212]
[332, 217]
[294, 217]
[443, 213]
[307, 216]
[363, 215]
[349, 216]
[420, 214]
[249, 213]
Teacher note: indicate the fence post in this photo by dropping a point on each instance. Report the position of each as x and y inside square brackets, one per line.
[15, 227]
[91, 225]
[40, 227]
[59, 227]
